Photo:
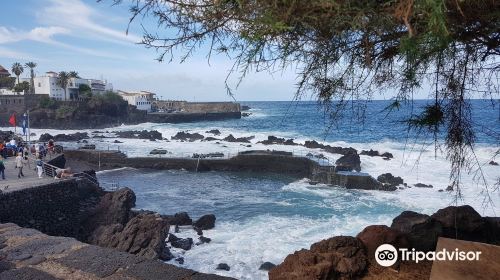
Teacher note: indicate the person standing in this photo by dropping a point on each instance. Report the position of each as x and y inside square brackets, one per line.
[2, 168]
[39, 166]
[20, 165]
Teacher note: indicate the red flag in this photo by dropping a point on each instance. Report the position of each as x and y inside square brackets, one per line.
[12, 120]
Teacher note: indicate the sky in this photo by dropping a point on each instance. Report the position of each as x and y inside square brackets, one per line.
[90, 38]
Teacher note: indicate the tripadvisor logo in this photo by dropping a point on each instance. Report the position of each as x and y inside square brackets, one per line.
[387, 255]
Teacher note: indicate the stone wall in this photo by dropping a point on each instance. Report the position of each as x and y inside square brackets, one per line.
[55, 209]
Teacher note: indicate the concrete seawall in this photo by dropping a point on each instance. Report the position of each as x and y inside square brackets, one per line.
[191, 117]
[293, 166]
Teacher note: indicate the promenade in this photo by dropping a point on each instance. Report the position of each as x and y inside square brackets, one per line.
[30, 179]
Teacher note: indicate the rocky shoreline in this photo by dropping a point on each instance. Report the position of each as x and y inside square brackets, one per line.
[347, 257]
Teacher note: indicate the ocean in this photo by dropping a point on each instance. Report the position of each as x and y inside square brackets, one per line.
[265, 217]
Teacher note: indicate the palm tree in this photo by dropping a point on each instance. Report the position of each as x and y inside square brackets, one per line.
[31, 66]
[62, 81]
[73, 74]
[17, 69]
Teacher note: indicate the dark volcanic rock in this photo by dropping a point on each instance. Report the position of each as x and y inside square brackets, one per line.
[186, 136]
[373, 153]
[376, 235]
[422, 230]
[267, 266]
[182, 243]
[223, 266]
[494, 163]
[113, 208]
[205, 222]
[181, 219]
[462, 222]
[348, 162]
[137, 134]
[143, 235]
[211, 139]
[204, 239]
[420, 185]
[231, 138]
[245, 108]
[215, 132]
[390, 180]
[45, 137]
[273, 140]
[69, 137]
[341, 257]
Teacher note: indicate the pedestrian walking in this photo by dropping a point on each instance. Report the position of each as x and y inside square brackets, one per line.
[39, 166]
[20, 165]
[2, 168]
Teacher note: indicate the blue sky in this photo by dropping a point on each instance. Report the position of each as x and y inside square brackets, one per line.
[89, 37]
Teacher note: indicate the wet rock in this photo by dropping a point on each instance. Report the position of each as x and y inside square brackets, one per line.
[390, 180]
[348, 162]
[373, 153]
[422, 230]
[223, 266]
[231, 138]
[143, 235]
[215, 132]
[493, 163]
[246, 114]
[78, 136]
[205, 222]
[211, 139]
[158, 152]
[166, 255]
[420, 185]
[172, 238]
[198, 231]
[267, 266]
[204, 239]
[462, 222]
[376, 235]
[245, 108]
[313, 145]
[341, 257]
[136, 134]
[45, 137]
[181, 219]
[370, 153]
[186, 136]
[273, 140]
[117, 142]
[180, 260]
[182, 243]
[176, 230]
[449, 188]
[387, 155]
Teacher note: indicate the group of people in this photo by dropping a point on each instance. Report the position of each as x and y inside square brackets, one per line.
[22, 160]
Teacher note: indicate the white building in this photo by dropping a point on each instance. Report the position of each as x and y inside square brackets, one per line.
[142, 99]
[48, 84]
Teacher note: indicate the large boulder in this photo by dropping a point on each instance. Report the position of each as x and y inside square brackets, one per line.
[390, 180]
[186, 136]
[348, 162]
[462, 222]
[180, 219]
[143, 235]
[78, 136]
[376, 235]
[341, 257]
[140, 134]
[273, 140]
[45, 137]
[422, 231]
[231, 138]
[492, 230]
[205, 222]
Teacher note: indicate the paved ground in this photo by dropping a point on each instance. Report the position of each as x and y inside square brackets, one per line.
[30, 179]
[29, 254]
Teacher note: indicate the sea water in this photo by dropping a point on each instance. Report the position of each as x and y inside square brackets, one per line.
[265, 217]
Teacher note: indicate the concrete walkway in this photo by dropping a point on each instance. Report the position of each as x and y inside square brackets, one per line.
[30, 179]
[29, 254]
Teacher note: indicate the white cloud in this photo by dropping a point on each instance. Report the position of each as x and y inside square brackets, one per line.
[13, 54]
[39, 34]
[81, 18]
